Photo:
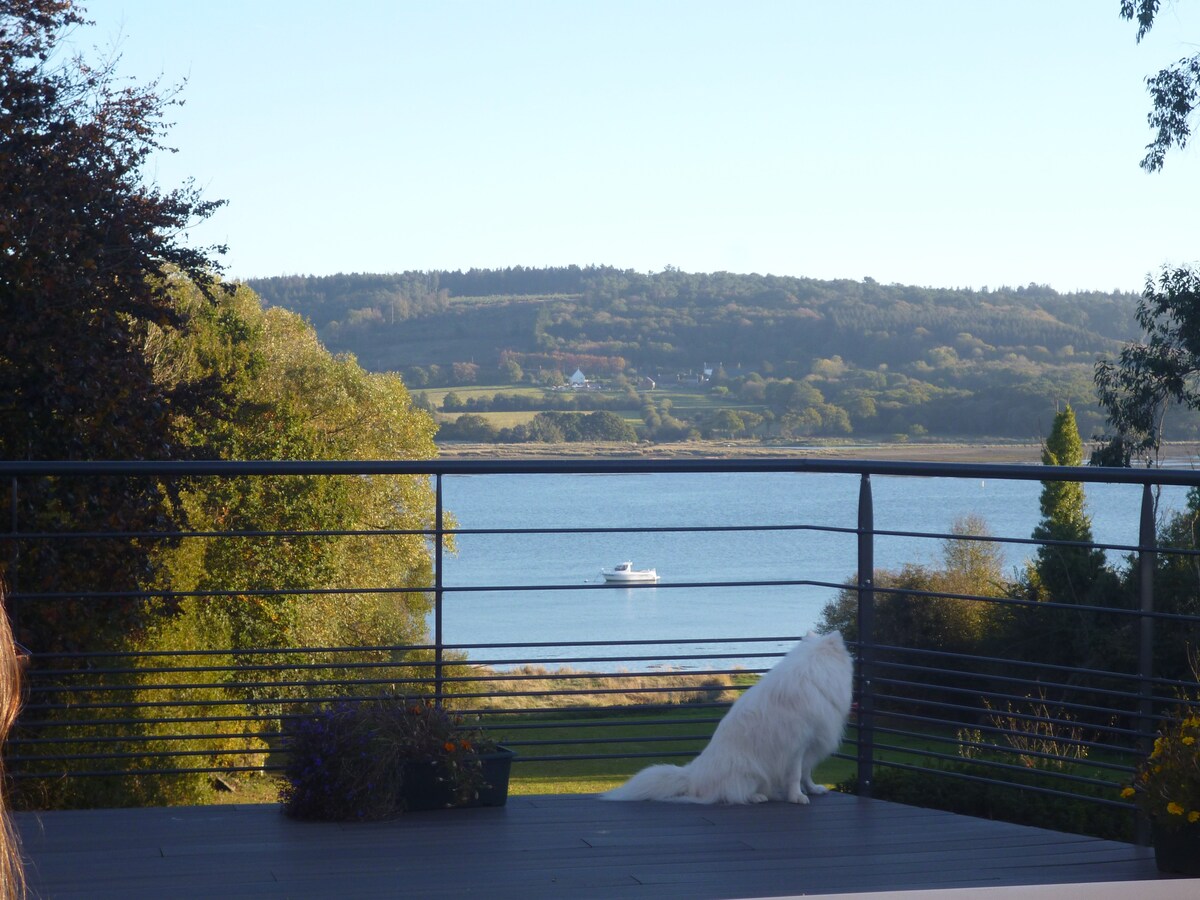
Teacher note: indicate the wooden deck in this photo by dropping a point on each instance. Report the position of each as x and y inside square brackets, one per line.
[560, 847]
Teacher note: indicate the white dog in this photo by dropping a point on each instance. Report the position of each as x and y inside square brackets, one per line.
[768, 743]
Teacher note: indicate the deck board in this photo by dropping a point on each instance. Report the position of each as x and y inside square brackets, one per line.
[575, 847]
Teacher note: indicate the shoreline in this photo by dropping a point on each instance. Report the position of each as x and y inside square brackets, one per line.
[927, 451]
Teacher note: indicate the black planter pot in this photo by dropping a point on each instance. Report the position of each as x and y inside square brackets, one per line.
[1177, 848]
[426, 786]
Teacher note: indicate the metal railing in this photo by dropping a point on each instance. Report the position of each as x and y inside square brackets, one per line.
[135, 711]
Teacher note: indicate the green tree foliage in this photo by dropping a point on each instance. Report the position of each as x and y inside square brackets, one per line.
[277, 395]
[1177, 589]
[1159, 371]
[928, 607]
[1173, 91]
[725, 423]
[1064, 574]
[1061, 574]
[283, 396]
[1155, 374]
[555, 427]
[82, 240]
[468, 427]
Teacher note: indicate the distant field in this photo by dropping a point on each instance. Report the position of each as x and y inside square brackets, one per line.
[680, 399]
[510, 298]
[697, 400]
[437, 395]
[684, 402]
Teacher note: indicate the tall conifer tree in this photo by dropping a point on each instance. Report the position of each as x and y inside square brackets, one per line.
[1064, 573]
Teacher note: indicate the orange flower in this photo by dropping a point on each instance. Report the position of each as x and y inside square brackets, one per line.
[466, 745]
[448, 746]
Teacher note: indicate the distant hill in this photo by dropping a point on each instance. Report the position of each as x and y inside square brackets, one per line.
[894, 357]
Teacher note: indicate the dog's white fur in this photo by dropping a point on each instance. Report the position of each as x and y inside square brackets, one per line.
[768, 743]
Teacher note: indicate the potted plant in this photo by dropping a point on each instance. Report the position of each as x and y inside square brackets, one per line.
[1167, 786]
[376, 758]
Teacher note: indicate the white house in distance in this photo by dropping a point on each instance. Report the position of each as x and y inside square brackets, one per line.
[578, 380]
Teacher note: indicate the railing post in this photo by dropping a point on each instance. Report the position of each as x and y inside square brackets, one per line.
[866, 637]
[1147, 542]
[439, 685]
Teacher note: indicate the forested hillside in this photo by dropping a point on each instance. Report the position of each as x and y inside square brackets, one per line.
[815, 357]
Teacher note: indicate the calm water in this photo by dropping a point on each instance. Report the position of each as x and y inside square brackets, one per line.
[587, 613]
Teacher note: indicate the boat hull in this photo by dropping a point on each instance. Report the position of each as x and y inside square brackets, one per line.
[645, 577]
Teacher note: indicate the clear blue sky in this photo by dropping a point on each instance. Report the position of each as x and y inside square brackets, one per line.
[948, 143]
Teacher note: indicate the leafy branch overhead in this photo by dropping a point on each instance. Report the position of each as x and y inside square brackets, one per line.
[1159, 372]
[1173, 91]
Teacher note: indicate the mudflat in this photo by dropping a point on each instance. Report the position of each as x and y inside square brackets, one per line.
[923, 451]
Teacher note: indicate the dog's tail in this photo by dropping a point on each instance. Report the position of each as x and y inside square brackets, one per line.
[654, 783]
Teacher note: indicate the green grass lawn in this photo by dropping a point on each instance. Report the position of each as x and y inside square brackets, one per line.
[593, 776]
[687, 733]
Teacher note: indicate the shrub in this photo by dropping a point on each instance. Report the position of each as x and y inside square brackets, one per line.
[347, 761]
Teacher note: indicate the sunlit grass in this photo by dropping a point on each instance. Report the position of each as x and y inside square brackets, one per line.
[497, 420]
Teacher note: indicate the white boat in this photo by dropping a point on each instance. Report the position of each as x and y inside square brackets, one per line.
[625, 573]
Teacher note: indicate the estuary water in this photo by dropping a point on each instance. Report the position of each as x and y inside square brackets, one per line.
[573, 606]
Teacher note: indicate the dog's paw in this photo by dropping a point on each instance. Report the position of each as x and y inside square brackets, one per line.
[798, 797]
[818, 789]
[759, 798]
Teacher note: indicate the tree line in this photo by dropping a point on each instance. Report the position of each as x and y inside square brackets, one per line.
[886, 359]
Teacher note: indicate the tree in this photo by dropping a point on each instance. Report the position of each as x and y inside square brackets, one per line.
[1064, 573]
[1152, 375]
[465, 373]
[510, 369]
[606, 426]
[1177, 590]
[726, 422]
[910, 609]
[83, 241]
[970, 566]
[283, 396]
[289, 561]
[1173, 91]
[468, 427]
